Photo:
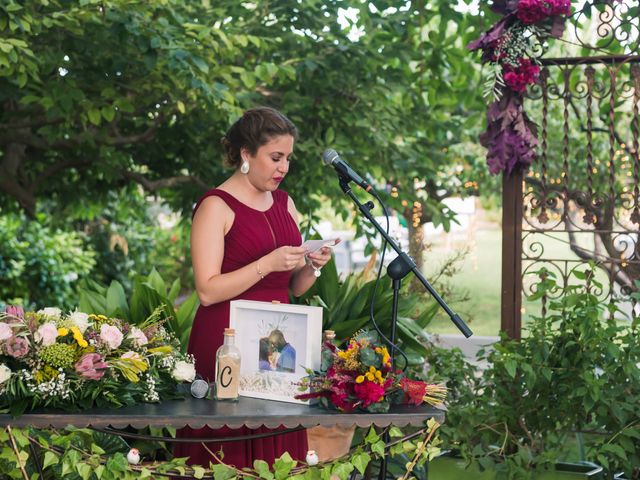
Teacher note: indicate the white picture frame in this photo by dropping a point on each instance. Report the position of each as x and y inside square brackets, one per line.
[277, 343]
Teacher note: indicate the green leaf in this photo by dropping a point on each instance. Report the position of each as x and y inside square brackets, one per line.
[95, 116]
[222, 472]
[50, 458]
[283, 465]
[511, 366]
[84, 470]
[372, 436]
[117, 301]
[198, 472]
[201, 64]
[262, 469]
[360, 461]
[174, 290]
[155, 280]
[108, 113]
[342, 470]
[378, 448]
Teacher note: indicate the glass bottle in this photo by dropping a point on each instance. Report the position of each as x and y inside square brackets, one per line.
[228, 368]
[326, 353]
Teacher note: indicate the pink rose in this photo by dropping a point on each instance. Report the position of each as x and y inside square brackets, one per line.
[111, 336]
[46, 334]
[5, 331]
[91, 366]
[17, 347]
[138, 337]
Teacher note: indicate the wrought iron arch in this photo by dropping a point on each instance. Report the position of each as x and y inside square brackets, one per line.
[583, 191]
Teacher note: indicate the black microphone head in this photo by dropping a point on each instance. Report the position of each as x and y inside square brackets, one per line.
[329, 155]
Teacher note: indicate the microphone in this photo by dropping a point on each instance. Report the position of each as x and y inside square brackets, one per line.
[331, 157]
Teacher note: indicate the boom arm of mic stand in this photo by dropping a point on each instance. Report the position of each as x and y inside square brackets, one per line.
[410, 264]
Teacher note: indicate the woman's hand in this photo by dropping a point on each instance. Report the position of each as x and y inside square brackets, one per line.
[321, 257]
[284, 259]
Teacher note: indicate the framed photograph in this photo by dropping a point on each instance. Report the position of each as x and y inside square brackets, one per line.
[277, 341]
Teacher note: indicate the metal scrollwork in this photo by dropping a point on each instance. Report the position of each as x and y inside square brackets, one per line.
[584, 190]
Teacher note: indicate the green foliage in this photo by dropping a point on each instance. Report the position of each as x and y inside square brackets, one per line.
[39, 264]
[346, 306]
[86, 454]
[148, 294]
[127, 238]
[139, 92]
[576, 370]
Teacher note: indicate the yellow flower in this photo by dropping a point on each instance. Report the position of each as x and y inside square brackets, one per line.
[370, 376]
[63, 332]
[360, 379]
[78, 337]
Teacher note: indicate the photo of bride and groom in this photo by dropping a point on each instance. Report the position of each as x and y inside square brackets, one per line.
[276, 354]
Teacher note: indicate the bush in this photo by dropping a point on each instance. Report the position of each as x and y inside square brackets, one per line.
[576, 371]
[40, 265]
[128, 239]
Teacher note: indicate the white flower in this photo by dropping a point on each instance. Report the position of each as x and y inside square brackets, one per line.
[46, 334]
[51, 312]
[138, 337]
[184, 371]
[5, 373]
[80, 320]
[111, 336]
[5, 331]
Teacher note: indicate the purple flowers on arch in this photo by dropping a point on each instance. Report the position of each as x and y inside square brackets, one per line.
[510, 137]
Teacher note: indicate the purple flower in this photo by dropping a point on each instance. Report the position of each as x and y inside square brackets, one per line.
[534, 11]
[510, 137]
[17, 347]
[91, 366]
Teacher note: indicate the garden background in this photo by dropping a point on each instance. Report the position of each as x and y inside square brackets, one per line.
[111, 113]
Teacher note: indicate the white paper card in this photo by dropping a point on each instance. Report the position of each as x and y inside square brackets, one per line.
[313, 245]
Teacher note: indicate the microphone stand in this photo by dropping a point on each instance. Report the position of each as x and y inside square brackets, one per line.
[397, 270]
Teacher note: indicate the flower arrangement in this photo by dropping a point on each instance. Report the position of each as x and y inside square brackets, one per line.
[511, 48]
[362, 377]
[76, 361]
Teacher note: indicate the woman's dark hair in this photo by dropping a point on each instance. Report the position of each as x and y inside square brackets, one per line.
[265, 349]
[255, 128]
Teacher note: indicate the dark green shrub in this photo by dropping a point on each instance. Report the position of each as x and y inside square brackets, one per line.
[39, 264]
[575, 371]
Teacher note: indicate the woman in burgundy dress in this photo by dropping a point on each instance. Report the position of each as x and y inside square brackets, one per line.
[245, 244]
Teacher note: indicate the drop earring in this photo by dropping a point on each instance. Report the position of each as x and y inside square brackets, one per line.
[244, 168]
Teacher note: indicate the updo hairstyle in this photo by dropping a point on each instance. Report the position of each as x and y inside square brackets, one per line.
[255, 128]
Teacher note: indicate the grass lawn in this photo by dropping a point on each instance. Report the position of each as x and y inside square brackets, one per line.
[479, 274]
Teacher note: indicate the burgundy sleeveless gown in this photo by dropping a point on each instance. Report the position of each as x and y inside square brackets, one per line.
[254, 233]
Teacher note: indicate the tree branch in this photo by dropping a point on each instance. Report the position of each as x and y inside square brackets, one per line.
[154, 185]
[57, 167]
[40, 121]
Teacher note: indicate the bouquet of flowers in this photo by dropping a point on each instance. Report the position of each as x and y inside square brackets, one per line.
[362, 377]
[76, 361]
[511, 48]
